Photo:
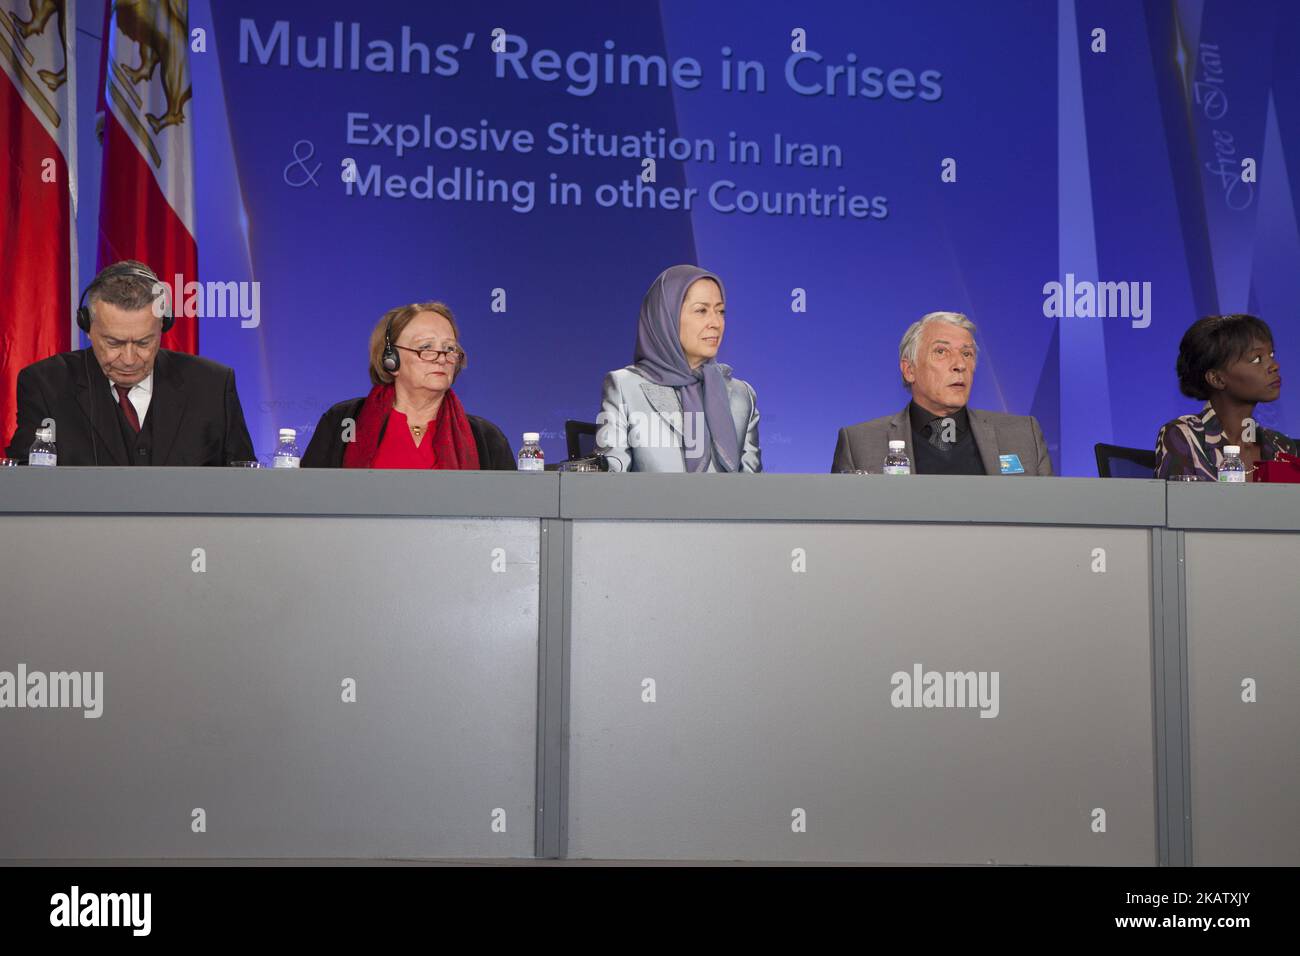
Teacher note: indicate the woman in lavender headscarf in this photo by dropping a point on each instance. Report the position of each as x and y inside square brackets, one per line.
[676, 408]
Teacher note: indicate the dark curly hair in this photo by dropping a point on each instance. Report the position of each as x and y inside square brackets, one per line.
[1216, 341]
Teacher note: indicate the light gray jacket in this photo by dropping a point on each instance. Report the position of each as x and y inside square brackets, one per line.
[864, 446]
[641, 428]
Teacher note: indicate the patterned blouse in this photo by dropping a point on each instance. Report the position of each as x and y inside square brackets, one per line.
[1192, 445]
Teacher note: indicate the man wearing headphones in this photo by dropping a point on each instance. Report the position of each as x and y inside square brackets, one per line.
[125, 400]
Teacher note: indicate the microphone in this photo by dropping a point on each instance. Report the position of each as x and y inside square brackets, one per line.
[589, 463]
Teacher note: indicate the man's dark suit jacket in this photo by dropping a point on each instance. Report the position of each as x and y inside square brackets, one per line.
[194, 414]
[327, 445]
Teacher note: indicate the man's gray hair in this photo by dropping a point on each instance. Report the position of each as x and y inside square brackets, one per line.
[907, 348]
[122, 285]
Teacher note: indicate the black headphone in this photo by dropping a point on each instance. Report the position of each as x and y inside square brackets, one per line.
[112, 272]
[390, 360]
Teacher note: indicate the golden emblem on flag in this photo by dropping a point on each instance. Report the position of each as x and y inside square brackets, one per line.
[17, 30]
[160, 30]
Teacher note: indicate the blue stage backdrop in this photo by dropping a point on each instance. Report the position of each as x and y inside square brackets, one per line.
[1084, 142]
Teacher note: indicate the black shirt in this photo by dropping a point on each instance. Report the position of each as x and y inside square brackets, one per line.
[959, 457]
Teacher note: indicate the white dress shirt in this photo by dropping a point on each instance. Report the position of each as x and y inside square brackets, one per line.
[140, 395]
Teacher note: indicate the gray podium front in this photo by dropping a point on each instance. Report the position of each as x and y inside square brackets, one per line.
[738, 644]
[397, 665]
[306, 664]
[1242, 556]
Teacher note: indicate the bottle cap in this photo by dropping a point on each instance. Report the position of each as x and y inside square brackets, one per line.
[897, 445]
[532, 436]
[288, 433]
[44, 434]
[1232, 449]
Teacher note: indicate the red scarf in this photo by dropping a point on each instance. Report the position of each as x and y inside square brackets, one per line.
[453, 442]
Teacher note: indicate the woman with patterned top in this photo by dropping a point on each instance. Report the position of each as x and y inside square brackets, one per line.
[1227, 361]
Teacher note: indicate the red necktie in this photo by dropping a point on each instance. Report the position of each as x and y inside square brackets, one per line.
[127, 408]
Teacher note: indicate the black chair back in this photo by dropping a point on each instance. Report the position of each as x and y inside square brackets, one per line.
[580, 438]
[1116, 461]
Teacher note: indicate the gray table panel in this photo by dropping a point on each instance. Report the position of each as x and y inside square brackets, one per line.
[307, 491]
[222, 689]
[773, 693]
[210, 703]
[1243, 621]
[960, 500]
[1210, 506]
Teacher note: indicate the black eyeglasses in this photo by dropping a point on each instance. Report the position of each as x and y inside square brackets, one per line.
[429, 354]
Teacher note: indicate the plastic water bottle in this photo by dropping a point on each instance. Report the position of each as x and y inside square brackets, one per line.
[43, 451]
[286, 453]
[530, 456]
[1232, 469]
[897, 462]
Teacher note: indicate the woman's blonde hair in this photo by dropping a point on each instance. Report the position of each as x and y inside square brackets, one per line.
[389, 329]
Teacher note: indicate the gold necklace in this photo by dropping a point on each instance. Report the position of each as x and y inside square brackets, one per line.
[417, 431]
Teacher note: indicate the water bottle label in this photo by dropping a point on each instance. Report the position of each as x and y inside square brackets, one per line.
[286, 461]
[531, 464]
[898, 469]
[43, 458]
[1232, 476]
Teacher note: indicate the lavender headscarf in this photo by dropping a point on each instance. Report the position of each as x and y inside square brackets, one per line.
[659, 357]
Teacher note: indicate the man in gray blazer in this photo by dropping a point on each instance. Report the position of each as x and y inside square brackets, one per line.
[941, 436]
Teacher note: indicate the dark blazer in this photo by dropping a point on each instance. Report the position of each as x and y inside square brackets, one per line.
[194, 414]
[327, 445]
[864, 446]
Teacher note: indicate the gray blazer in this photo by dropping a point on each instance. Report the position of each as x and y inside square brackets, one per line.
[640, 427]
[864, 446]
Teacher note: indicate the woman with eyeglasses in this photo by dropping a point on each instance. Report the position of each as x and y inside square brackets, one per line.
[411, 418]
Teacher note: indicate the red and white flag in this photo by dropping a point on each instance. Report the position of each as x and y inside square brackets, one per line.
[146, 209]
[38, 189]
